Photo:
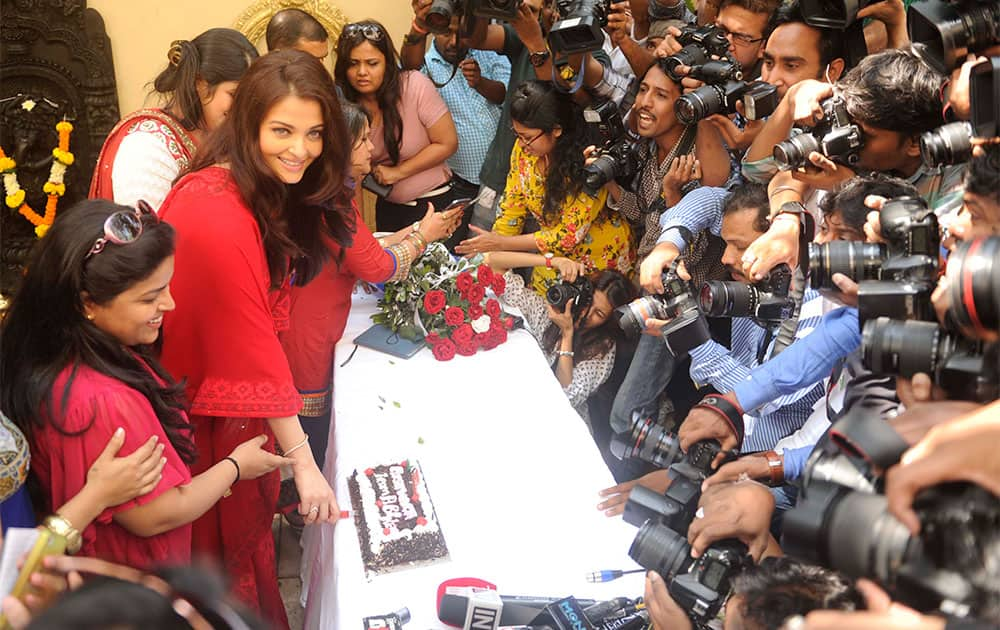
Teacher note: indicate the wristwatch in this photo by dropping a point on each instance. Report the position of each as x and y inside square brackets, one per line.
[775, 467]
[414, 39]
[548, 259]
[792, 207]
[539, 58]
[416, 227]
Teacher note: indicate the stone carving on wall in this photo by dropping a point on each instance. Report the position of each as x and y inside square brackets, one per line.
[57, 54]
[253, 21]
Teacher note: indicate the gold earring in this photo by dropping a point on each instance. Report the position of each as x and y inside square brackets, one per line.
[90, 316]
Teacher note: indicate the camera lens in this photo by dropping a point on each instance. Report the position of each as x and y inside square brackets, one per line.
[648, 441]
[903, 348]
[690, 55]
[599, 172]
[792, 153]
[632, 316]
[698, 104]
[863, 539]
[832, 14]
[723, 298]
[974, 286]
[439, 16]
[658, 548]
[944, 33]
[949, 144]
[559, 295]
[856, 260]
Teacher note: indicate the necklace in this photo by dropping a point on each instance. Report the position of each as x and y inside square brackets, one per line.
[54, 188]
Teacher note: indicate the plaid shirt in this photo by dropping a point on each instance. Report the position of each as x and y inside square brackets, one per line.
[475, 117]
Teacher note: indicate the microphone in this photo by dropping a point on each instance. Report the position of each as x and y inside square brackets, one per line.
[454, 596]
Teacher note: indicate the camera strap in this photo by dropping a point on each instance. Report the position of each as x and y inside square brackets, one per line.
[729, 412]
[788, 328]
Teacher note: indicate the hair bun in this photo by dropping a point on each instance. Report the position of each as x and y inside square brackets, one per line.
[176, 52]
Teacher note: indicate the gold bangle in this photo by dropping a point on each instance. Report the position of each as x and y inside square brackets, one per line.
[60, 526]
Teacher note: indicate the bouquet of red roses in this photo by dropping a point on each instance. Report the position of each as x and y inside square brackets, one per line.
[444, 300]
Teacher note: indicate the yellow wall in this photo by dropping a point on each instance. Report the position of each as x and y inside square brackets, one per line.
[141, 32]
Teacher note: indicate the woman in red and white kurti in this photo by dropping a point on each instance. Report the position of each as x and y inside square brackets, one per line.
[148, 149]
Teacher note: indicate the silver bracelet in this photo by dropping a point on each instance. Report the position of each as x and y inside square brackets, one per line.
[564, 353]
[297, 446]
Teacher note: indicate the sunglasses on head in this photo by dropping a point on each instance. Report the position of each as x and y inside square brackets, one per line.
[370, 32]
[122, 227]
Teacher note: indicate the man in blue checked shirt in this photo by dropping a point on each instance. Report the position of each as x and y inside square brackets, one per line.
[473, 84]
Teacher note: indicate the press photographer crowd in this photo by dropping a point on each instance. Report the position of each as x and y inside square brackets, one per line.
[757, 242]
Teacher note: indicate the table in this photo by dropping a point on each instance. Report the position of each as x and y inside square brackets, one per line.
[510, 466]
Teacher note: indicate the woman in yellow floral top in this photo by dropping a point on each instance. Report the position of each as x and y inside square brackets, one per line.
[545, 180]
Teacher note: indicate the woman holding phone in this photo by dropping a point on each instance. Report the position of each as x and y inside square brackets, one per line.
[319, 309]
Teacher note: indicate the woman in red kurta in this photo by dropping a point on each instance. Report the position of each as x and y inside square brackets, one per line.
[77, 366]
[319, 310]
[148, 149]
[266, 192]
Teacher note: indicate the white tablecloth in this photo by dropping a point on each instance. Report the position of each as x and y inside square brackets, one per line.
[511, 468]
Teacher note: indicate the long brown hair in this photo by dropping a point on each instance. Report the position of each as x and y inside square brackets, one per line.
[290, 217]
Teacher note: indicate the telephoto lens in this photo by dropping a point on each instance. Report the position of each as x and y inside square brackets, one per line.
[648, 441]
[946, 145]
[837, 14]
[974, 287]
[716, 71]
[699, 104]
[904, 348]
[632, 316]
[727, 298]
[855, 259]
[658, 548]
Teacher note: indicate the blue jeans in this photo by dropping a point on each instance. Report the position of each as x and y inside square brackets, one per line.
[784, 500]
[648, 375]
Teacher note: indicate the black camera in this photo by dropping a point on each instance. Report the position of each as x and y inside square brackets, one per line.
[947, 567]
[700, 44]
[699, 586]
[648, 441]
[441, 12]
[965, 369]
[835, 137]
[616, 162]
[579, 28]
[948, 144]
[908, 272]
[759, 99]
[765, 301]
[944, 32]
[580, 292]
[617, 157]
[974, 287]
[688, 327]
[910, 252]
[984, 98]
[838, 14]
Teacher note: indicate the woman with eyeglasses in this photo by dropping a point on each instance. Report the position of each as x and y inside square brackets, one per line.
[412, 131]
[319, 309]
[265, 197]
[148, 149]
[77, 366]
[545, 180]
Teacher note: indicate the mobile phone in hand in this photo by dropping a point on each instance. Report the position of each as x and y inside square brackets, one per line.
[46, 543]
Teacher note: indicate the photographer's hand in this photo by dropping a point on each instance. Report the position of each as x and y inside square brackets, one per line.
[873, 224]
[669, 45]
[617, 496]
[569, 270]
[420, 10]
[805, 97]
[734, 510]
[563, 320]
[682, 170]
[892, 13]
[824, 174]
[920, 417]
[652, 267]
[620, 22]
[882, 614]
[734, 137]
[664, 613]
[702, 424]
[958, 88]
[961, 450]
[753, 466]
[780, 244]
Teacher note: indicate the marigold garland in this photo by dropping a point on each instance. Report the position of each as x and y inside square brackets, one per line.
[54, 188]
